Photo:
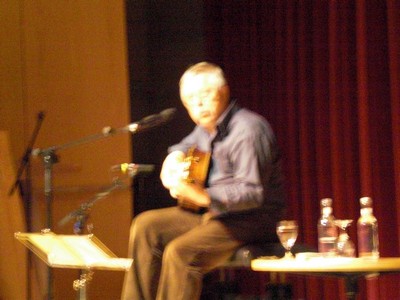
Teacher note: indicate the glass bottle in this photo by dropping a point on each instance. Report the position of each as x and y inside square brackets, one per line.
[367, 230]
[327, 230]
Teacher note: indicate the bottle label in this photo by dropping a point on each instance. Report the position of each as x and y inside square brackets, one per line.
[327, 245]
[367, 240]
[327, 238]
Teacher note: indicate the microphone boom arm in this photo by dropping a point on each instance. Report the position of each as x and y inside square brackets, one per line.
[145, 123]
[81, 214]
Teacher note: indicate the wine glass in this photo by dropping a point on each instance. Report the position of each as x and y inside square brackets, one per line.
[287, 231]
[345, 246]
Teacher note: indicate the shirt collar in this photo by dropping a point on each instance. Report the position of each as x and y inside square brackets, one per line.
[225, 118]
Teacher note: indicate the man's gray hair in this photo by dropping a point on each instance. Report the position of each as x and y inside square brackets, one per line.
[212, 70]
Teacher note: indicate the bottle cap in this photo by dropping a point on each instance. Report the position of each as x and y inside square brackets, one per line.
[366, 202]
[326, 202]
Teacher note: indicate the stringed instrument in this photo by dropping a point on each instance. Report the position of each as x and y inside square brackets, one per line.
[196, 170]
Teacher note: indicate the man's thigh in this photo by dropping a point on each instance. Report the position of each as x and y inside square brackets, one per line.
[165, 224]
[206, 246]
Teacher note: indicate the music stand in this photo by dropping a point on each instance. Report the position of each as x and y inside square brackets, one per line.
[84, 252]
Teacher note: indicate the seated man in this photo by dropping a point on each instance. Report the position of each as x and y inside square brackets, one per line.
[240, 201]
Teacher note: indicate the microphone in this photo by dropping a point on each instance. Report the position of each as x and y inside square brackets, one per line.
[133, 169]
[152, 121]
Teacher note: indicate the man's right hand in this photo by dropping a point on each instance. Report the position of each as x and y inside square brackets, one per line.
[173, 169]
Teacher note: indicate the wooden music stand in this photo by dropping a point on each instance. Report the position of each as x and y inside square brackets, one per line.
[84, 252]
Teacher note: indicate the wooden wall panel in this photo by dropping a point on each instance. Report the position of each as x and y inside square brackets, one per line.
[68, 59]
[13, 257]
[11, 76]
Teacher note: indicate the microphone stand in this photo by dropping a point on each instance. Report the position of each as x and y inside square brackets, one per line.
[26, 189]
[50, 157]
[25, 165]
[81, 216]
[25, 159]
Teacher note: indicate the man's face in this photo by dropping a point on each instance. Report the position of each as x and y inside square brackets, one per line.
[203, 101]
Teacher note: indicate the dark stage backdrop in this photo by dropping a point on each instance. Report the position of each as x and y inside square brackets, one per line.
[326, 75]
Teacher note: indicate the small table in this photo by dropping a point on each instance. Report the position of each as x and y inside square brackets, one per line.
[348, 268]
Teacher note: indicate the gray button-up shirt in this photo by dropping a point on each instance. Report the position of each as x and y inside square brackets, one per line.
[245, 170]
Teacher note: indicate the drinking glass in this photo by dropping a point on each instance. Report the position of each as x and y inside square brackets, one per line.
[287, 231]
[345, 246]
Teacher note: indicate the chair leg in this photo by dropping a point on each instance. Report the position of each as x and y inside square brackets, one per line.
[220, 287]
[278, 288]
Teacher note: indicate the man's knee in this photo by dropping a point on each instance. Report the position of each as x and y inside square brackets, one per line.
[175, 252]
[144, 220]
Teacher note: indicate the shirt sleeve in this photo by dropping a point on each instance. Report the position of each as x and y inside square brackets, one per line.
[248, 164]
[186, 143]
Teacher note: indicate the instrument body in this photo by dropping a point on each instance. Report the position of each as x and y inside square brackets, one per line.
[196, 165]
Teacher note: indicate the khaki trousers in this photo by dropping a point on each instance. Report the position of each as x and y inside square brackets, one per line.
[172, 249]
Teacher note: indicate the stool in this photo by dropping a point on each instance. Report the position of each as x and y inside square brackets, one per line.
[227, 285]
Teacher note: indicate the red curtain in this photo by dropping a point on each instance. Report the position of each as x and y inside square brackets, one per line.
[326, 74]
